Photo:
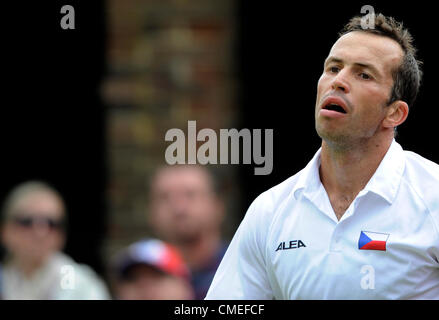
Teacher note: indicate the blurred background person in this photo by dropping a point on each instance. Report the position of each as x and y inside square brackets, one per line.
[186, 210]
[151, 269]
[167, 63]
[33, 233]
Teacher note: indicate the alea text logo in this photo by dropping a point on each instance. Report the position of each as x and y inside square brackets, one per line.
[292, 244]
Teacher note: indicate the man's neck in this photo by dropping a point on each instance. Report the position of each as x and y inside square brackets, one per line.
[199, 252]
[344, 172]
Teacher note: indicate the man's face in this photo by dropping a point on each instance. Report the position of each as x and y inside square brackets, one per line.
[33, 230]
[183, 204]
[357, 76]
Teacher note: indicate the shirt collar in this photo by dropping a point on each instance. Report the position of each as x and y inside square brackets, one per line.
[386, 179]
[384, 182]
[309, 179]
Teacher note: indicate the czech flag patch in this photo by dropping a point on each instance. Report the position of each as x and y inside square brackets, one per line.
[372, 240]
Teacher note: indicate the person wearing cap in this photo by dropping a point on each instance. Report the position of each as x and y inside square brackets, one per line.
[33, 234]
[151, 269]
[187, 211]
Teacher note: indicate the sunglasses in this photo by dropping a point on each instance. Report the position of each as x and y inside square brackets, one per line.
[29, 222]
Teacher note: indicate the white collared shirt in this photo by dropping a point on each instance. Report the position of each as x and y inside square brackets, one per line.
[59, 278]
[290, 245]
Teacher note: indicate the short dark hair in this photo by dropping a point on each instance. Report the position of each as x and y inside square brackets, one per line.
[407, 77]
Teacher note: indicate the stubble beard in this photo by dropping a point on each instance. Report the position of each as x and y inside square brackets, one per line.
[343, 141]
[337, 141]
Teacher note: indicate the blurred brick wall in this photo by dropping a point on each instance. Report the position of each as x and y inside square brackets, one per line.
[168, 62]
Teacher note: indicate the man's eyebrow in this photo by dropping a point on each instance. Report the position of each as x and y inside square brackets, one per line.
[368, 66]
[359, 64]
[333, 59]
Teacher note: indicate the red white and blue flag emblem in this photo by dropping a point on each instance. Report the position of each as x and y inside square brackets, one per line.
[372, 240]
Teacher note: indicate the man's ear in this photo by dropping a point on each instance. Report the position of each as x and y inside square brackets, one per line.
[397, 113]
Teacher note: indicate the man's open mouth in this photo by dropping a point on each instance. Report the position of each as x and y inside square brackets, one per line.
[334, 107]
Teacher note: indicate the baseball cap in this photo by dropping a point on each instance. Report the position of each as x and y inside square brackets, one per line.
[152, 252]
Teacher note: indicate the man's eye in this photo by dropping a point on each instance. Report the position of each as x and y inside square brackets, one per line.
[365, 76]
[334, 69]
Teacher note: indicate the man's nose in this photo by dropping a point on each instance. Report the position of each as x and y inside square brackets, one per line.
[179, 204]
[41, 228]
[340, 82]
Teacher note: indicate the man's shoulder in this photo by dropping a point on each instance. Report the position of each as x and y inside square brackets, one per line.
[421, 171]
[276, 195]
[87, 283]
[423, 176]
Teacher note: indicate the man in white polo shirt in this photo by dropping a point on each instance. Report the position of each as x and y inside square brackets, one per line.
[361, 220]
